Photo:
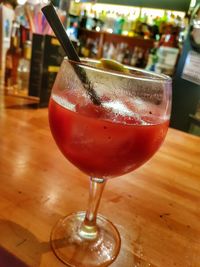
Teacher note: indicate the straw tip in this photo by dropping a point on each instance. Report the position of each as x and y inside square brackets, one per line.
[47, 6]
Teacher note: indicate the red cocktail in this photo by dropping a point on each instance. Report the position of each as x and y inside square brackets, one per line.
[105, 138]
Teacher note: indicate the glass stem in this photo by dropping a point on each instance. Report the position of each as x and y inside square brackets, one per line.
[89, 229]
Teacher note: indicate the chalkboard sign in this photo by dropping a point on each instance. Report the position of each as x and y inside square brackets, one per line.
[47, 56]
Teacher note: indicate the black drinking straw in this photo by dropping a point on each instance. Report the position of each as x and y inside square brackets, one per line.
[59, 30]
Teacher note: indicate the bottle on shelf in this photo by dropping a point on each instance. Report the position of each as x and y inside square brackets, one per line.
[119, 52]
[12, 58]
[118, 25]
[23, 69]
[127, 56]
[83, 20]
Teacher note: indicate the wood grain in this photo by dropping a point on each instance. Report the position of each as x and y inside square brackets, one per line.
[156, 208]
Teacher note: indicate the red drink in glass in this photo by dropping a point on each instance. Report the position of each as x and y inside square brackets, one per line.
[101, 147]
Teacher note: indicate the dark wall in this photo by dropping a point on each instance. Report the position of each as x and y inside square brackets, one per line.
[186, 95]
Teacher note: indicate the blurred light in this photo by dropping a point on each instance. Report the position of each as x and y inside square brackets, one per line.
[152, 12]
[193, 3]
[77, 1]
[21, 2]
[109, 30]
[125, 32]
[33, 2]
[98, 29]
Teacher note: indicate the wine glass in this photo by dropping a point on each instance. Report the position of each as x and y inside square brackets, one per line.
[104, 139]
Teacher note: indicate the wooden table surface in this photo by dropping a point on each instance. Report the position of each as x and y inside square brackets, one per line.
[156, 208]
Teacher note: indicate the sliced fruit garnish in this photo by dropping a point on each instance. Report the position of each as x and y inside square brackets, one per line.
[112, 65]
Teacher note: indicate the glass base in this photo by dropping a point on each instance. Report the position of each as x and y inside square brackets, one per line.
[75, 250]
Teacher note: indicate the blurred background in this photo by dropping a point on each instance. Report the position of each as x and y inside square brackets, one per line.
[160, 36]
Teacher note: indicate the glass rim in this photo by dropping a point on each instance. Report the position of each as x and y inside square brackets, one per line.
[147, 75]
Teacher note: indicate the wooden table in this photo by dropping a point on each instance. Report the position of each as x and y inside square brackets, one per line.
[156, 208]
